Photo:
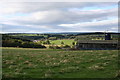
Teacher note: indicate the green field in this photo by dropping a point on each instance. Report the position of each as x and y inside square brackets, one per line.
[48, 63]
[66, 41]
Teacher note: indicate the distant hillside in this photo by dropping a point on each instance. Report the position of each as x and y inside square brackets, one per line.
[64, 33]
[8, 37]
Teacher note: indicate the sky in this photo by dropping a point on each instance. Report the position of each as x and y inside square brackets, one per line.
[43, 17]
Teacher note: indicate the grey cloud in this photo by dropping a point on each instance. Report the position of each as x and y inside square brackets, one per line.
[29, 7]
[61, 17]
[51, 15]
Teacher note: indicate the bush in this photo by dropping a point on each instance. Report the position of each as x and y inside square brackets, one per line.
[57, 47]
[39, 46]
[54, 47]
[51, 47]
[66, 46]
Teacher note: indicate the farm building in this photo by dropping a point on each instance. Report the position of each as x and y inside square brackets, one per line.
[97, 44]
[106, 44]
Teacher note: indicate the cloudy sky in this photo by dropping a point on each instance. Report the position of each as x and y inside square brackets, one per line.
[34, 17]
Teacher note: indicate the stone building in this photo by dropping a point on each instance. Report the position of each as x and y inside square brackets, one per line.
[97, 44]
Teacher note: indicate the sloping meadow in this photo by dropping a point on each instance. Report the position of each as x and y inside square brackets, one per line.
[48, 63]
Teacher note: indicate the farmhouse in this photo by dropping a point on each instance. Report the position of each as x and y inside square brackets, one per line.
[106, 44]
[97, 44]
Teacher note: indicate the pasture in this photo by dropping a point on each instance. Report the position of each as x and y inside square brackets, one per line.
[65, 41]
[48, 63]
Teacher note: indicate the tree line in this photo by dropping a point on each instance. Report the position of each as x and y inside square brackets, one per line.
[10, 41]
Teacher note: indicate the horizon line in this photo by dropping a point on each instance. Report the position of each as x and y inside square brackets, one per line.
[62, 32]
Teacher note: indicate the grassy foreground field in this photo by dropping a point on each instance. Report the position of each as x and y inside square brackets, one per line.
[46, 63]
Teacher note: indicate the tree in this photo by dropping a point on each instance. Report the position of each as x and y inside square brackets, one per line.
[66, 46]
[73, 43]
[47, 42]
[62, 42]
[37, 34]
[52, 38]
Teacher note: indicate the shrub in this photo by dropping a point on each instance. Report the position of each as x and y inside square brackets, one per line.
[66, 46]
[57, 47]
[54, 47]
[51, 47]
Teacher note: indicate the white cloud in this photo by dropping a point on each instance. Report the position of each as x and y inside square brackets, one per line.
[110, 25]
[92, 24]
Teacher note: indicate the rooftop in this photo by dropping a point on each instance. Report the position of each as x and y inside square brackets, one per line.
[99, 41]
